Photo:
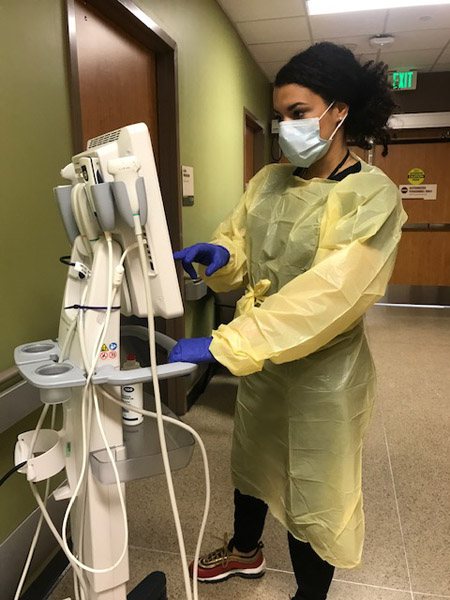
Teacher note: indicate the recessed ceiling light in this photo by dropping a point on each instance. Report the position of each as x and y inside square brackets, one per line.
[323, 7]
[380, 41]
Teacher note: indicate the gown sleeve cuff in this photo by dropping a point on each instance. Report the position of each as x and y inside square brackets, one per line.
[228, 348]
[232, 275]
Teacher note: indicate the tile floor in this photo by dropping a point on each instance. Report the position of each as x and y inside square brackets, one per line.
[406, 480]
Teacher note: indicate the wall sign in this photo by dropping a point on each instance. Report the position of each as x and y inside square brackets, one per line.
[404, 80]
[416, 176]
[418, 192]
[188, 186]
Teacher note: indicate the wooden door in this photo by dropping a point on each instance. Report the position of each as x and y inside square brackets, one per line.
[253, 146]
[249, 167]
[433, 158]
[117, 77]
[424, 253]
[123, 70]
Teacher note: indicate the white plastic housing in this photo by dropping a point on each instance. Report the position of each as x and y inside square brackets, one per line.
[134, 140]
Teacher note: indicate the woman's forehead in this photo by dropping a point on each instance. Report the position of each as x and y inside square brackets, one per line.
[291, 94]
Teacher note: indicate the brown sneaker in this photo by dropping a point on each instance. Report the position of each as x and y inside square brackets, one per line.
[224, 562]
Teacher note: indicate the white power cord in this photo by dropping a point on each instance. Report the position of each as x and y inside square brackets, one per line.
[166, 419]
[39, 525]
[58, 538]
[159, 420]
[68, 339]
[78, 320]
[44, 513]
[126, 251]
[85, 454]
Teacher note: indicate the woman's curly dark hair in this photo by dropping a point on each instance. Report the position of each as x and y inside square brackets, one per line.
[334, 73]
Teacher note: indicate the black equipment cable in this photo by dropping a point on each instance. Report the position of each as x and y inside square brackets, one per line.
[12, 471]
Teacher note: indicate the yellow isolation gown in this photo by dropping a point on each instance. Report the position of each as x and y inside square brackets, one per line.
[314, 255]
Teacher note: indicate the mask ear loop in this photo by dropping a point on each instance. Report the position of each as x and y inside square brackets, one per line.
[337, 127]
[326, 110]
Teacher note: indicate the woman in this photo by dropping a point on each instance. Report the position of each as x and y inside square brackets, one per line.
[315, 243]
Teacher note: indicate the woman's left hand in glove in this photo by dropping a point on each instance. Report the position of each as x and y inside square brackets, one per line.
[192, 350]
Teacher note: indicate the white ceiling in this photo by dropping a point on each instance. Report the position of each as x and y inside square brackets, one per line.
[275, 30]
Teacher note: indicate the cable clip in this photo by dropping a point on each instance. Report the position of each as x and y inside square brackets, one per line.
[82, 269]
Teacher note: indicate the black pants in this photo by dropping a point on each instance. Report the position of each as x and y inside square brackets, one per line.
[313, 574]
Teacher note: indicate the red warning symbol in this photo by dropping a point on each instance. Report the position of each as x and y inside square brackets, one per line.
[103, 355]
[113, 354]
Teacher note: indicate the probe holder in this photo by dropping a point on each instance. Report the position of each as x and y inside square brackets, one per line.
[140, 455]
[37, 363]
[63, 198]
[120, 193]
[50, 456]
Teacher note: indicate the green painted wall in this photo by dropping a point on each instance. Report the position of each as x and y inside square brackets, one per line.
[217, 78]
[16, 500]
[36, 142]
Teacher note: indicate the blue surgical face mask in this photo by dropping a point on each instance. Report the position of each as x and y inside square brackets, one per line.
[301, 142]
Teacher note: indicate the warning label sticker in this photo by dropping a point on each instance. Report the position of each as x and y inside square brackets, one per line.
[104, 348]
[416, 176]
[418, 192]
[103, 355]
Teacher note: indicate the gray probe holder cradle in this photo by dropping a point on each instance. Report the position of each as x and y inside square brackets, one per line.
[140, 456]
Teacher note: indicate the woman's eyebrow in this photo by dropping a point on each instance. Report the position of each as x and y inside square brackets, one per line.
[292, 106]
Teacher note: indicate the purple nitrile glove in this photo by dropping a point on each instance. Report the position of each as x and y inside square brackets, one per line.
[211, 255]
[192, 350]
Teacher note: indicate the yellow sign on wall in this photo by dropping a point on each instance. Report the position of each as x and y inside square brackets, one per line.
[416, 176]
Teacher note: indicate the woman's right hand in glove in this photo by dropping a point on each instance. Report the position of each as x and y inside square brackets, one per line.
[211, 255]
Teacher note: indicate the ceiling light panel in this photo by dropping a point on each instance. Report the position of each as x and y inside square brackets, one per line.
[251, 10]
[274, 30]
[326, 7]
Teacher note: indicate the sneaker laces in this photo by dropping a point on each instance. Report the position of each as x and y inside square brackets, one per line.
[222, 553]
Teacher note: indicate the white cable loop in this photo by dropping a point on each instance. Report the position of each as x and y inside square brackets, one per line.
[153, 364]
[44, 513]
[85, 454]
[41, 518]
[153, 415]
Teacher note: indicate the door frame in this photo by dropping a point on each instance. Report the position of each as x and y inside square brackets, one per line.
[258, 149]
[134, 22]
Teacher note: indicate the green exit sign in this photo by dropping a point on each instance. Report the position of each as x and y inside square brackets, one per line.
[404, 80]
